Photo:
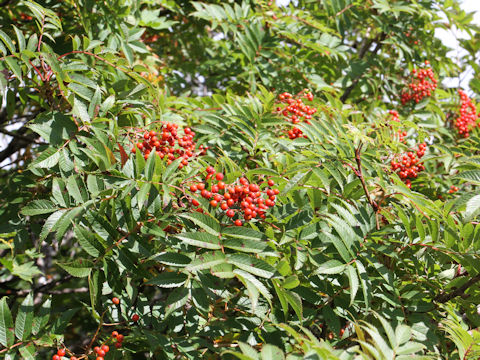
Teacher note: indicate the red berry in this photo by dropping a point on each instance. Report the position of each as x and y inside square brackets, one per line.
[230, 213]
[105, 348]
[56, 357]
[116, 300]
[118, 345]
[271, 182]
[100, 358]
[114, 334]
[140, 146]
[219, 176]
[101, 352]
[61, 352]
[195, 202]
[214, 203]
[135, 317]
[224, 206]
[193, 188]
[238, 222]
[120, 338]
[96, 349]
[210, 170]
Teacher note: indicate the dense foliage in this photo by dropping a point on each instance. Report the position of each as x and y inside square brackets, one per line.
[233, 179]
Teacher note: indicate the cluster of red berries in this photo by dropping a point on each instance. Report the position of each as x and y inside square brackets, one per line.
[119, 339]
[239, 197]
[408, 165]
[453, 189]
[101, 351]
[61, 353]
[296, 111]
[422, 84]
[168, 143]
[395, 117]
[468, 115]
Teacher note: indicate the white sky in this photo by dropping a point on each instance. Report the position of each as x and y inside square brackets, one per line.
[449, 38]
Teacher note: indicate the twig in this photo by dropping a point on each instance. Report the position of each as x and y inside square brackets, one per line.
[445, 297]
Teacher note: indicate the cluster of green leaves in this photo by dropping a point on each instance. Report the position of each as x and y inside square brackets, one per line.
[349, 263]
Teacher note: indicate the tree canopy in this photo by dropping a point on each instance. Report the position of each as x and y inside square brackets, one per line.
[238, 180]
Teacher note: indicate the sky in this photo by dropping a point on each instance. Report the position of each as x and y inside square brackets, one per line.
[449, 38]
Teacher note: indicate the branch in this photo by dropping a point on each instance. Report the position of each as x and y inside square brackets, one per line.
[445, 297]
[40, 289]
[358, 172]
[363, 51]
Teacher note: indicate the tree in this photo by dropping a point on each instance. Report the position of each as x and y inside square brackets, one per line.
[229, 180]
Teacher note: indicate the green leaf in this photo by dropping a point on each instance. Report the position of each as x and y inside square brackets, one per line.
[206, 261]
[242, 232]
[200, 239]
[291, 282]
[248, 350]
[331, 267]
[87, 241]
[6, 322]
[143, 193]
[47, 159]
[38, 207]
[74, 189]
[42, 317]
[13, 65]
[61, 323]
[271, 352]
[470, 176]
[293, 182]
[23, 322]
[353, 281]
[78, 268]
[176, 300]
[295, 302]
[173, 259]
[8, 42]
[168, 280]
[244, 245]
[252, 265]
[472, 207]
[207, 223]
[255, 282]
[28, 351]
[80, 110]
[20, 38]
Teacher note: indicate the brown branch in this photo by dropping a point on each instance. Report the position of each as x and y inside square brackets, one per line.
[359, 173]
[363, 51]
[447, 296]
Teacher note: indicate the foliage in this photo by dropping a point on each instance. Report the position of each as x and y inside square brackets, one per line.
[348, 262]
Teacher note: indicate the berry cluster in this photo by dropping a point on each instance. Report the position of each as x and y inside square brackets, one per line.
[468, 115]
[295, 111]
[453, 189]
[408, 165]
[61, 353]
[395, 117]
[240, 197]
[168, 143]
[101, 351]
[422, 84]
[119, 338]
